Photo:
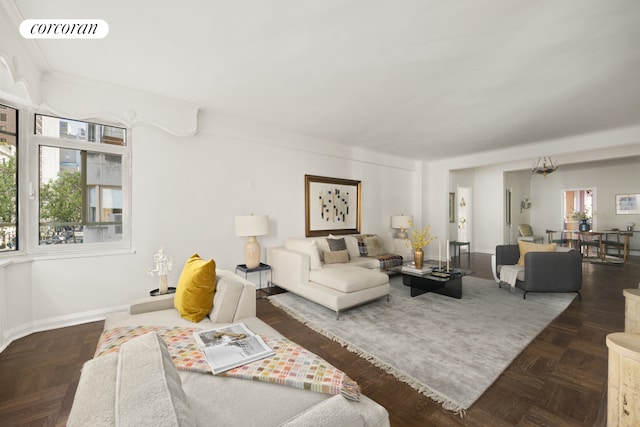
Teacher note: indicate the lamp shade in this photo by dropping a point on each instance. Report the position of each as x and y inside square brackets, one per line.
[252, 225]
[401, 221]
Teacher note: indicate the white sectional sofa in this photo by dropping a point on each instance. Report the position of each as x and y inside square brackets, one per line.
[138, 386]
[337, 279]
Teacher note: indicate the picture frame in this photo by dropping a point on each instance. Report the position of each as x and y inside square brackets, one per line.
[452, 207]
[332, 205]
[628, 204]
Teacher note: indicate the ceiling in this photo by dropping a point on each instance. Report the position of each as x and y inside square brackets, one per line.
[420, 78]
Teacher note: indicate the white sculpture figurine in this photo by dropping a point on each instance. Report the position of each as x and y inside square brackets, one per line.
[163, 264]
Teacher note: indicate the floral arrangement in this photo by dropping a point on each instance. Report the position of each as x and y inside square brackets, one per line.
[419, 238]
[580, 215]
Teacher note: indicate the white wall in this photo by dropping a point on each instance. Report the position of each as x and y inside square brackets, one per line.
[608, 178]
[577, 153]
[186, 191]
[520, 184]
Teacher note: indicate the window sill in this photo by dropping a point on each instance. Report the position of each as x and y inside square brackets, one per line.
[17, 258]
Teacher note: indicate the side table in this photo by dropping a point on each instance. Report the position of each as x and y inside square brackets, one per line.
[259, 269]
[156, 292]
[456, 249]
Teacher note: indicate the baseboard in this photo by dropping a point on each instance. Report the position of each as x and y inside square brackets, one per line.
[29, 328]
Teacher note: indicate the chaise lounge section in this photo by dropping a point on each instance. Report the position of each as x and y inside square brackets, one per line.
[337, 272]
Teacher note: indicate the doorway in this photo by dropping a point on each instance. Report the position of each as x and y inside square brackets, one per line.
[578, 200]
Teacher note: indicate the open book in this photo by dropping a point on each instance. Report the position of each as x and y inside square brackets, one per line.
[231, 346]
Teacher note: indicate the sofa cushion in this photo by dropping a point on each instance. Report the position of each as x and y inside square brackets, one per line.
[195, 289]
[305, 246]
[352, 246]
[375, 245]
[333, 257]
[525, 247]
[348, 278]
[148, 387]
[337, 244]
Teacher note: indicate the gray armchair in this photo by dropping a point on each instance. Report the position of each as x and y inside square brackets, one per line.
[559, 271]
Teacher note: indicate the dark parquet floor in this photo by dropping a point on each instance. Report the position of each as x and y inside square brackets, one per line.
[560, 379]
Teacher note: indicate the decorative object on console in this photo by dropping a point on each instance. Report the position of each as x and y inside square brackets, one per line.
[401, 224]
[544, 166]
[630, 226]
[418, 240]
[163, 264]
[252, 226]
[583, 217]
[332, 206]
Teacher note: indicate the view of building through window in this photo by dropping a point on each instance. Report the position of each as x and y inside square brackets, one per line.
[80, 188]
[8, 178]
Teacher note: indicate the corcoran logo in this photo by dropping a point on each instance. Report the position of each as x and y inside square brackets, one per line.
[64, 29]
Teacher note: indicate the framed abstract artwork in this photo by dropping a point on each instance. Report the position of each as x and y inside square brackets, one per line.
[627, 204]
[332, 206]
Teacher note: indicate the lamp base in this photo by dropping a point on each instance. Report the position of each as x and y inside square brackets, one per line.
[401, 234]
[252, 253]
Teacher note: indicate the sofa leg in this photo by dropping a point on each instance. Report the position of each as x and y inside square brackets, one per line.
[579, 296]
[388, 298]
[525, 295]
[337, 315]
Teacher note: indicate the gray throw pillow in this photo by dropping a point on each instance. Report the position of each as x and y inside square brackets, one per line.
[337, 244]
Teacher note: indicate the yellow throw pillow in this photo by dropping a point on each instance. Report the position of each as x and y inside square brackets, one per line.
[533, 247]
[194, 292]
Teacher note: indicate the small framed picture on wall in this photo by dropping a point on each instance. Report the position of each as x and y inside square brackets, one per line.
[628, 204]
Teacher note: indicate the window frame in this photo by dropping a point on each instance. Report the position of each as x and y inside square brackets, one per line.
[19, 142]
[29, 187]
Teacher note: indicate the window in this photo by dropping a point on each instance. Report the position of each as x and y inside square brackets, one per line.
[81, 176]
[8, 179]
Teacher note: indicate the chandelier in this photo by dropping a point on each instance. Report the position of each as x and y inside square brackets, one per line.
[544, 166]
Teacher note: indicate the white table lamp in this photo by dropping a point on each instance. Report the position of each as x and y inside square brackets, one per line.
[252, 226]
[401, 223]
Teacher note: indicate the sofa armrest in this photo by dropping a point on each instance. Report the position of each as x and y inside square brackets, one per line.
[145, 305]
[507, 254]
[234, 299]
[288, 267]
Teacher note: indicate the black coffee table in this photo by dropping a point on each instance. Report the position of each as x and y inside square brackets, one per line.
[443, 283]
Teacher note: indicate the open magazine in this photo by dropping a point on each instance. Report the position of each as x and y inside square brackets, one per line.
[231, 346]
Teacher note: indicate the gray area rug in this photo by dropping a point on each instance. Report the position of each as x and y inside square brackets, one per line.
[449, 349]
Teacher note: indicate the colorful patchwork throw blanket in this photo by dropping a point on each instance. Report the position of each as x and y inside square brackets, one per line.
[292, 365]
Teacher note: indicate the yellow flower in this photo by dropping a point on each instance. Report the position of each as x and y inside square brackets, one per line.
[419, 238]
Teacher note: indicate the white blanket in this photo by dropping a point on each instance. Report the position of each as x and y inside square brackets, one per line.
[509, 274]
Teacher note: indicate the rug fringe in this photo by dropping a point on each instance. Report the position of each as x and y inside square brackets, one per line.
[412, 382]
